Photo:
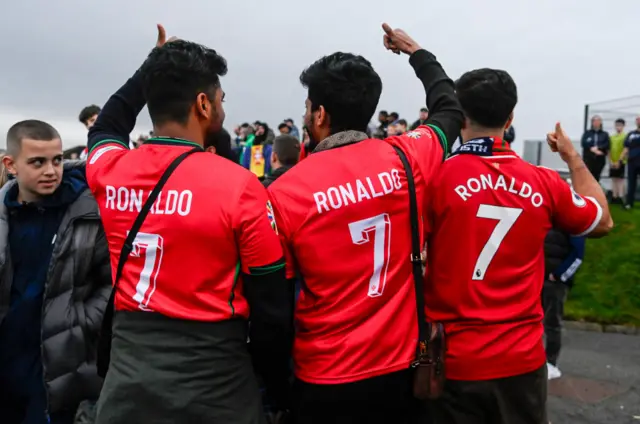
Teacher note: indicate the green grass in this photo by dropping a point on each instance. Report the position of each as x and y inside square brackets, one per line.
[607, 287]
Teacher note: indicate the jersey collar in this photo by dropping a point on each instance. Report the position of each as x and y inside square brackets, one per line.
[486, 146]
[169, 141]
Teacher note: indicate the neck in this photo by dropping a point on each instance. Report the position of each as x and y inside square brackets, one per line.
[176, 130]
[483, 133]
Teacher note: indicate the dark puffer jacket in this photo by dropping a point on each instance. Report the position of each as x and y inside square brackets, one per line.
[77, 288]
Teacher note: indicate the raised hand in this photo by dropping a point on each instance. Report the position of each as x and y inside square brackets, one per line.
[162, 36]
[398, 41]
[559, 142]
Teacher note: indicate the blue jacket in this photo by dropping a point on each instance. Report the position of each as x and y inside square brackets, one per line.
[597, 138]
[33, 229]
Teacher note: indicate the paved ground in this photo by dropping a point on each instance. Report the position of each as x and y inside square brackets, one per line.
[600, 382]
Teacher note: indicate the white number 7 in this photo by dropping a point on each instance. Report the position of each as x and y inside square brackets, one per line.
[506, 217]
[151, 247]
[380, 226]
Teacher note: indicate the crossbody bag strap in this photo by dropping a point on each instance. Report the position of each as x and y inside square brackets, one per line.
[424, 332]
[127, 247]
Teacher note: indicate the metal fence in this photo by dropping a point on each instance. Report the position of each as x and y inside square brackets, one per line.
[538, 153]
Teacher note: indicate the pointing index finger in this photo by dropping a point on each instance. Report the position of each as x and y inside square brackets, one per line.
[162, 34]
[387, 29]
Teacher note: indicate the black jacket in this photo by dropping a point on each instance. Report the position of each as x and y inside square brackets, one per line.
[269, 179]
[597, 138]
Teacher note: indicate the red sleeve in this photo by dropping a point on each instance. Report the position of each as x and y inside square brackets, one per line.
[256, 231]
[572, 212]
[425, 145]
[101, 158]
[284, 233]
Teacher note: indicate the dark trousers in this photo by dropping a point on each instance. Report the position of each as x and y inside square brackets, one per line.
[632, 180]
[554, 295]
[595, 164]
[513, 400]
[378, 400]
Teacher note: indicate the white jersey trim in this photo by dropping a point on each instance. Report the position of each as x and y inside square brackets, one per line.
[596, 221]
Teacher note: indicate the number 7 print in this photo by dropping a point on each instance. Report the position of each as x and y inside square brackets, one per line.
[380, 226]
[152, 245]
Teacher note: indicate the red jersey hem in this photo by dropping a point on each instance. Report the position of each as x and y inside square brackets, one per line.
[469, 372]
[353, 378]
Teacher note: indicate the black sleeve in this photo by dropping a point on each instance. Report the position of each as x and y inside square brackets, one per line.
[415, 125]
[270, 298]
[118, 116]
[445, 113]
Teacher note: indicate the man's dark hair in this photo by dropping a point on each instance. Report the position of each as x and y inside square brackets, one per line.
[88, 112]
[31, 129]
[282, 125]
[288, 120]
[174, 74]
[245, 125]
[348, 88]
[424, 109]
[383, 112]
[394, 115]
[287, 149]
[487, 96]
[402, 122]
[620, 121]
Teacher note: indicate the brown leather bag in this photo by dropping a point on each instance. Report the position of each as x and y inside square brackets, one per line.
[429, 376]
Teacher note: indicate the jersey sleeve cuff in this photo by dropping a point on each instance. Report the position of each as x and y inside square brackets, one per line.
[595, 222]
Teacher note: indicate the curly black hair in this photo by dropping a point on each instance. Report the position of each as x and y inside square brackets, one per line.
[174, 74]
[487, 96]
[347, 86]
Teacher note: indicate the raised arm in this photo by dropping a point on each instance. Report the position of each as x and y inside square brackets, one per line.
[118, 116]
[445, 113]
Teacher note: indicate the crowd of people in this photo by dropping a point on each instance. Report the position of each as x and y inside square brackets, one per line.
[156, 281]
[621, 151]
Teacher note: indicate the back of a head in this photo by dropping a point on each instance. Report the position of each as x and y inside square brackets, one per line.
[31, 129]
[174, 74]
[347, 87]
[287, 149]
[487, 97]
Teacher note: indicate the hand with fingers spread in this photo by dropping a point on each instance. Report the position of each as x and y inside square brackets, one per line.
[398, 41]
[162, 37]
[559, 142]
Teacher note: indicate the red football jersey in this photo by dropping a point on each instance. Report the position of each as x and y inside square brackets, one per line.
[343, 215]
[199, 235]
[489, 214]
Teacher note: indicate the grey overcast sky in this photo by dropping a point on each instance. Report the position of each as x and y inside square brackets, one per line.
[58, 56]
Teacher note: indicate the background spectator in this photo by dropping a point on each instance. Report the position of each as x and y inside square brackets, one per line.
[563, 255]
[401, 126]
[595, 146]
[293, 130]
[422, 120]
[285, 154]
[88, 115]
[383, 119]
[632, 151]
[284, 128]
[616, 164]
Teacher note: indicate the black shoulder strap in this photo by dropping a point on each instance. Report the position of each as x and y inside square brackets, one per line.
[127, 247]
[416, 250]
